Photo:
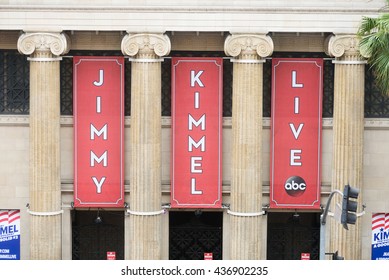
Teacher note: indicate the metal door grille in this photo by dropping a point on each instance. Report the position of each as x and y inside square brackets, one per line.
[376, 103]
[92, 241]
[288, 236]
[14, 83]
[191, 235]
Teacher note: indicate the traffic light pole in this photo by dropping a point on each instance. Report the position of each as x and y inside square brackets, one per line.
[348, 214]
[323, 222]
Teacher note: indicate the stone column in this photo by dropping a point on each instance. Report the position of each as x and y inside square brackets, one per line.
[246, 179]
[45, 211]
[145, 229]
[348, 126]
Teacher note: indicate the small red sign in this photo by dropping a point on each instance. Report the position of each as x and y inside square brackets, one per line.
[305, 256]
[111, 256]
[208, 256]
[296, 133]
[196, 132]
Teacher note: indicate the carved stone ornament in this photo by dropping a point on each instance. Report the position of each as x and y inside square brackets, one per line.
[149, 44]
[340, 45]
[236, 45]
[56, 43]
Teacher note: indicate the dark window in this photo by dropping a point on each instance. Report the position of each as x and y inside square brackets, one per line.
[14, 83]
[376, 103]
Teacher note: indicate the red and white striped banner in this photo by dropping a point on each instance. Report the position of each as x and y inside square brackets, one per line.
[8, 217]
[380, 221]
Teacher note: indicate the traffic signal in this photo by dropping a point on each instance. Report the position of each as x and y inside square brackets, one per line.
[349, 206]
[336, 257]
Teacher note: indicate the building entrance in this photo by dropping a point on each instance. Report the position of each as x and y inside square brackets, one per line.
[291, 234]
[94, 233]
[193, 233]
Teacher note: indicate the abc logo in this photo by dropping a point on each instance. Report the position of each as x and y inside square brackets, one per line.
[295, 186]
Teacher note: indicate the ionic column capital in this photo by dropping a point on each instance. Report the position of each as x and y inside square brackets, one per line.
[345, 47]
[54, 44]
[146, 46]
[248, 47]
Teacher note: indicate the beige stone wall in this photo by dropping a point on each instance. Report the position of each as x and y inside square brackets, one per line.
[376, 179]
[14, 172]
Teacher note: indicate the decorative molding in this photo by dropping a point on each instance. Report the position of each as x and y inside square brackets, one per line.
[14, 120]
[203, 16]
[343, 46]
[166, 122]
[56, 43]
[229, 6]
[146, 44]
[248, 45]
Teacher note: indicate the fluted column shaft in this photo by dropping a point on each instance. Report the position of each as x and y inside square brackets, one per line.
[348, 128]
[45, 179]
[246, 179]
[145, 143]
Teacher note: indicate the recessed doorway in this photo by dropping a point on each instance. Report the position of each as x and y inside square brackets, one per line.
[291, 234]
[94, 233]
[193, 233]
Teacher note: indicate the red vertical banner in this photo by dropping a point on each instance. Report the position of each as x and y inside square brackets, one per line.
[197, 90]
[98, 86]
[296, 133]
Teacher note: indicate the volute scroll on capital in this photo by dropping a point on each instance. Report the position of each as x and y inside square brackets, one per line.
[343, 45]
[147, 44]
[56, 43]
[243, 44]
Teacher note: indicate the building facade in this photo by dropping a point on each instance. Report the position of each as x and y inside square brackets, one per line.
[38, 43]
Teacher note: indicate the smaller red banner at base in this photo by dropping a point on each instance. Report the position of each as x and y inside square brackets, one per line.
[305, 256]
[208, 256]
[111, 256]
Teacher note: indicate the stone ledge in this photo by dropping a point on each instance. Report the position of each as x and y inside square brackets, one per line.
[67, 121]
[67, 187]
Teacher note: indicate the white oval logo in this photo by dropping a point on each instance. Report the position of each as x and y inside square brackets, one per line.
[295, 186]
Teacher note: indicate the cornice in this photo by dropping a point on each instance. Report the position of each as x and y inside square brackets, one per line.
[193, 9]
[162, 16]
